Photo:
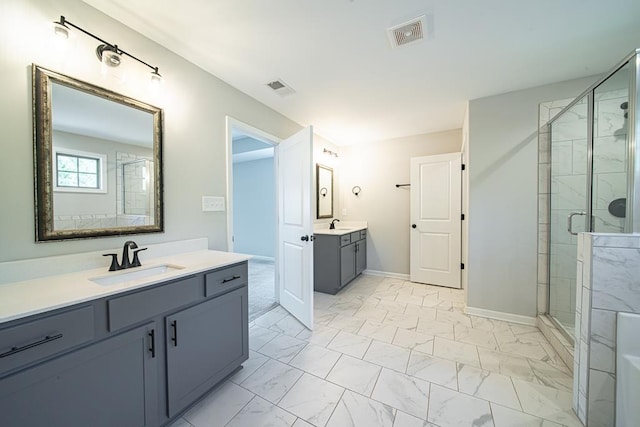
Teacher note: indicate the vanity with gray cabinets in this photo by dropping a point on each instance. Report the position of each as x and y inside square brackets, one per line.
[134, 358]
[339, 256]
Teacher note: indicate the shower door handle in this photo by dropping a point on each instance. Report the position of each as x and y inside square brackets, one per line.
[570, 221]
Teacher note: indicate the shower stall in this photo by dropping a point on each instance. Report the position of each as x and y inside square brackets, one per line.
[594, 165]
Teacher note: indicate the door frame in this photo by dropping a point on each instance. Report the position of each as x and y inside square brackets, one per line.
[232, 123]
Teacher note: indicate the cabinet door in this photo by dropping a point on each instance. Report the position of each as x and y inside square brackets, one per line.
[361, 256]
[347, 263]
[205, 343]
[112, 383]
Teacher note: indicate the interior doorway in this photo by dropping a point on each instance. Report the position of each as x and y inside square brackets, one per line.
[252, 219]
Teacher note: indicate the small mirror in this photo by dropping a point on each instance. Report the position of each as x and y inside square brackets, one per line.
[324, 191]
[98, 160]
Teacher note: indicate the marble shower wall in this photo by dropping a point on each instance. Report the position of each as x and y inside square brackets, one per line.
[608, 271]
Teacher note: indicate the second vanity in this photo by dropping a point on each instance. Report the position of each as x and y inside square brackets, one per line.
[77, 351]
[339, 255]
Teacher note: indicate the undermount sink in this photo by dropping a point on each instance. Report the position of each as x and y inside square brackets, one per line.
[134, 274]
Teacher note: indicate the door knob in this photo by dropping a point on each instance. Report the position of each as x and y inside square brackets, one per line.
[413, 226]
[304, 238]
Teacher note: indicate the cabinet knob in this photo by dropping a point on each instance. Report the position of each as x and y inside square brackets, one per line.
[413, 226]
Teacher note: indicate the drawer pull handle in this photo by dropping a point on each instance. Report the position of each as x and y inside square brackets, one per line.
[231, 280]
[174, 338]
[152, 349]
[45, 340]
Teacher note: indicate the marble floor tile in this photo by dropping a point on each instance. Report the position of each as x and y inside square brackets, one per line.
[476, 337]
[270, 318]
[506, 364]
[551, 376]
[249, 367]
[433, 369]
[259, 336]
[261, 413]
[316, 360]
[288, 325]
[451, 296]
[346, 323]
[424, 290]
[413, 340]
[446, 409]
[405, 420]
[487, 385]
[432, 301]
[405, 321]
[505, 417]
[346, 308]
[553, 358]
[392, 306]
[434, 327]
[355, 410]
[453, 350]
[322, 317]
[372, 313]
[388, 355]
[410, 299]
[312, 399]
[302, 423]
[385, 295]
[403, 392]
[454, 318]
[378, 331]
[546, 402]
[423, 313]
[355, 374]
[321, 335]
[351, 344]
[490, 325]
[219, 407]
[272, 380]
[521, 347]
[282, 348]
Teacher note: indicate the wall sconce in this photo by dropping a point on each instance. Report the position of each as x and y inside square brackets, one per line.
[109, 54]
[330, 153]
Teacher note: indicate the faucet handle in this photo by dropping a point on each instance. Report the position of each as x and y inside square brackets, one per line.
[136, 260]
[114, 262]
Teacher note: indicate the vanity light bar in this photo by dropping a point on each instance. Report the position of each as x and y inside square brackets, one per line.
[59, 29]
[330, 153]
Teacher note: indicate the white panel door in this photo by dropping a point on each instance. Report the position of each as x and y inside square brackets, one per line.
[436, 235]
[295, 246]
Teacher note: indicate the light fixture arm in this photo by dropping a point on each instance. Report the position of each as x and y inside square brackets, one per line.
[64, 22]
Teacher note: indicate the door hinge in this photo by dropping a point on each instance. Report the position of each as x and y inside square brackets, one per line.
[463, 166]
[462, 217]
[462, 266]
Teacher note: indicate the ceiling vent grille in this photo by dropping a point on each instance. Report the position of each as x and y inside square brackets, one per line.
[280, 87]
[407, 32]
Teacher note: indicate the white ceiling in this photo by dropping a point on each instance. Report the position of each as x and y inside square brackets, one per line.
[352, 86]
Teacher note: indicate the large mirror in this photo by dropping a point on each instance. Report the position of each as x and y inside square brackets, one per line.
[98, 160]
[324, 191]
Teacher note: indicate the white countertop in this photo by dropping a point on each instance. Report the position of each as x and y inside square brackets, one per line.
[29, 297]
[341, 228]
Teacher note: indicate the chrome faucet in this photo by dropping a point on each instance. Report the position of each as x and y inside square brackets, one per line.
[129, 244]
[332, 226]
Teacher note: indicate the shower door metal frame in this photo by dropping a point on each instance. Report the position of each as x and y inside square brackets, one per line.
[632, 223]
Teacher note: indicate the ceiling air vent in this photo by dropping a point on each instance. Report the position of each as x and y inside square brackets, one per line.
[281, 88]
[408, 32]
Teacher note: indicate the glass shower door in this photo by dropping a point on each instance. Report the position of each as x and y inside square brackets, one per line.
[568, 207]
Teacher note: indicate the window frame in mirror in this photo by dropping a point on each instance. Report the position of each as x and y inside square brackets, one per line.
[328, 193]
[43, 149]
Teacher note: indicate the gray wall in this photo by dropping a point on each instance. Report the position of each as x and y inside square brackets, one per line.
[254, 207]
[503, 204]
[195, 105]
[377, 167]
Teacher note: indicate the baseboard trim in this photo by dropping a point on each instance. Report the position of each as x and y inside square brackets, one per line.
[499, 315]
[387, 274]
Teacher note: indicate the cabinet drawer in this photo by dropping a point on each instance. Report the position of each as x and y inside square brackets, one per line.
[355, 236]
[363, 234]
[28, 342]
[227, 278]
[345, 240]
[133, 308]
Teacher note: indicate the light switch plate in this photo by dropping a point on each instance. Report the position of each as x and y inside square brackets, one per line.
[212, 203]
